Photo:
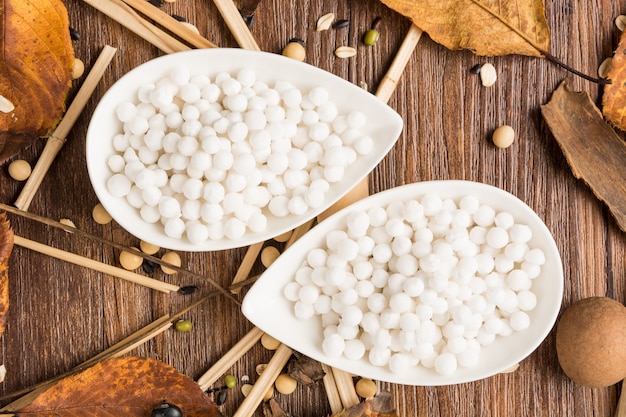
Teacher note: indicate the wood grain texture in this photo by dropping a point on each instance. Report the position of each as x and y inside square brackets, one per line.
[61, 314]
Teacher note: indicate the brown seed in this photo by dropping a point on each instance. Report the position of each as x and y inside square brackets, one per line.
[366, 388]
[148, 248]
[268, 255]
[503, 136]
[285, 384]
[6, 106]
[340, 24]
[172, 258]
[284, 237]
[268, 342]
[100, 215]
[130, 261]
[78, 69]
[488, 75]
[620, 22]
[260, 368]
[605, 67]
[19, 170]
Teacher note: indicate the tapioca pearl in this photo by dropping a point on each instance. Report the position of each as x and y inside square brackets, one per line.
[271, 96]
[191, 210]
[330, 321]
[401, 303]
[362, 270]
[318, 95]
[351, 316]
[149, 214]
[134, 197]
[121, 142]
[179, 162]
[308, 294]
[466, 268]
[493, 324]
[535, 256]
[297, 206]
[519, 321]
[187, 145]
[125, 111]
[179, 75]
[427, 332]
[303, 311]
[516, 251]
[477, 303]
[197, 232]
[485, 337]
[430, 262]
[354, 349]
[520, 233]
[136, 141]
[461, 219]
[432, 204]
[277, 187]
[377, 302]
[421, 248]
[291, 97]
[221, 125]
[366, 245]
[382, 253]
[503, 264]
[143, 93]
[443, 250]
[190, 93]
[477, 285]
[380, 277]
[508, 302]
[413, 286]
[161, 96]
[234, 228]
[364, 145]
[116, 163]
[318, 131]
[440, 311]
[333, 174]
[348, 332]
[533, 270]
[333, 345]
[526, 300]
[456, 345]
[462, 314]
[304, 275]
[151, 195]
[174, 227]
[356, 119]
[495, 279]
[485, 263]
[323, 304]
[484, 215]
[133, 168]
[518, 280]
[497, 237]
[119, 185]
[274, 114]
[138, 125]
[310, 118]
[232, 202]
[193, 188]
[191, 127]
[471, 356]
[407, 264]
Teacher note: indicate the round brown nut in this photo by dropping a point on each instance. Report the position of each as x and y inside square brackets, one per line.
[295, 50]
[19, 170]
[130, 261]
[268, 342]
[148, 248]
[503, 136]
[268, 255]
[285, 384]
[171, 258]
[100, 215]
[366, 388]
[78, 69]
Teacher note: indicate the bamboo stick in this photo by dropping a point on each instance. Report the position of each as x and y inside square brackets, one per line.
[124, 15]
[265, 381]
[95, 265]
[57, 139]
[168, 22]
[246, 265]
[332, 392]
[236, 24]
[230, 358]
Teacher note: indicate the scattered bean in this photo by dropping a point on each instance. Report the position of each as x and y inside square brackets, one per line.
[67, 222]
[476, 69]
[366, 388]
[179, 18]
[372, 35]
[167, 410]
[268, 255]
[260, 368]
[156, 3]
[130, 261]
[245, 379]
[269, 393]
[340, 24]
[19, 170]
[285, 384]
[148, 266]
[191, 27]
[488, 74]
[295, 49]
[183, 325]
[345, 52]
[620, 22]
[230, 381]
[6, 105]
[245, 389]
[268, 342]
[188, 289]
[74, 35]
[78, 69]
[503, 136]
[222, 396]
[324, 22]
[605, 67]
[100, 215]
[172, 258]
[148, 248]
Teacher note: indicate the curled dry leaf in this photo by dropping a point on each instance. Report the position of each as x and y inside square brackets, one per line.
[35, 70]
[594, 151]
[6, 247]
[614, 96]
[379, 406]
[463, 24]
[305, 370]
[129, 387]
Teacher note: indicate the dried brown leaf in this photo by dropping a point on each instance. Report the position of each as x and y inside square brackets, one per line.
[462, 24]
[305, 370]
[614, 96]
[35, 70]
[594, 151]
[129, 387]
[6, 247]
[379, 406]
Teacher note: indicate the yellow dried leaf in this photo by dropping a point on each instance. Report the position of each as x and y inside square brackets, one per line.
[614, 96]
[35, 70]
[463, 24]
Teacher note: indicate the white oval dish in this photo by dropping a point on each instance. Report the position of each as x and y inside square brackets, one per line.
[266, 307]
[384, 126]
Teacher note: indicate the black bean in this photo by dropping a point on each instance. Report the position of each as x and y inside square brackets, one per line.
[222, 396]
[74, 35]
[189, 289]
[148, 266]
[342, 23]
[376, 22]
[157, 3]
[179, 18]
[297, 40]
[476, 69]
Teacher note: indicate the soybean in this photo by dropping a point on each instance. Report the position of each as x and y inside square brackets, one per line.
[19, 170]
[268, 342]
[100, 215]
[295, 49]
[130, 261]
[366, 388]
[503, 136]
[172, 258]
[285, 384]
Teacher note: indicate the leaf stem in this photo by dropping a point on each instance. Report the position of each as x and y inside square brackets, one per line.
[546, 54]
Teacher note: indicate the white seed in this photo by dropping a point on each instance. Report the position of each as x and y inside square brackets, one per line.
[324, 22]
[605, 67]
[488, 75]
[345, 52]
[6, 106]
[620, 22]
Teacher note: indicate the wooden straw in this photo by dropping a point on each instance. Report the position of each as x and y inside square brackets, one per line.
[246, 265]
[170, 23]
[265, 381]
[57, 139]
[95, 265]
[230, 358]
[236, 24]
[332, 392]
[126, 16]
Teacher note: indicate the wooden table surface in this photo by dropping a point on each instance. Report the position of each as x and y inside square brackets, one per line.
[61, 314]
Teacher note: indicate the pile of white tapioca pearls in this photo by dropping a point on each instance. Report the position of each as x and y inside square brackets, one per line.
[428, 282]
[214, 158]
